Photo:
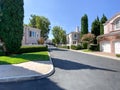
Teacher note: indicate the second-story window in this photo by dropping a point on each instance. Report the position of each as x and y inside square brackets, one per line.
[75, 36]
[30, 33]
[117, 24]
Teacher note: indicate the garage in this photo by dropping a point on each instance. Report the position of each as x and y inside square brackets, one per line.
[117, 47]
[105, 46]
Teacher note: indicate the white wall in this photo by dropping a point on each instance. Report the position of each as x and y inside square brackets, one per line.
[27, 39]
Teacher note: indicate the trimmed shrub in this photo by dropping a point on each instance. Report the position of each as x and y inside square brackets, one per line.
[27, 49]
[93, 47]
[78, 47]
[73, 47]
[2, 53]
[84, 45]
[118, 55]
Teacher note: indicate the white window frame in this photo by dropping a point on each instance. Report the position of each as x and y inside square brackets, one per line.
[117, 24]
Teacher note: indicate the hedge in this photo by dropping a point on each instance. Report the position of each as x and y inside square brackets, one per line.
[78, 47]
[118, 55]
[93, 47]
[27, 49]
[84, 45]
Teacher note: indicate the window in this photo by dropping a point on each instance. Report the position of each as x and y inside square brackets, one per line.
[117, 24]
[35, 34]
[74, 42]
[30, 33]
[75, 36]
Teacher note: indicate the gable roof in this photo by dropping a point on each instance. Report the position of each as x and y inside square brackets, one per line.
[118, 14]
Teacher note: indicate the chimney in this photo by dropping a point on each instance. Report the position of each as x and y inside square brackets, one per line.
[77, 29]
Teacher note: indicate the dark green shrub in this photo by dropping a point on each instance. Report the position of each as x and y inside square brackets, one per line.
[84, 45]
[27, 49]
[2, 53]
[79, 47]
[73, 47]
[93, 47]
[118, 55]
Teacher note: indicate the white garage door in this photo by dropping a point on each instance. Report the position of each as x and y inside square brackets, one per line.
[117, 47]
[105, 47]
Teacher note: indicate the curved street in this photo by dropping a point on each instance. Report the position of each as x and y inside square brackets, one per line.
[74, 71]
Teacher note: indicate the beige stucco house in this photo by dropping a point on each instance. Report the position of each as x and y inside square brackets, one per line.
[30, 36]
[73, 38]
[110, 41]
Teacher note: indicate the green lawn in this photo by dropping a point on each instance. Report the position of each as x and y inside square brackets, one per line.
[86, 50]
[20, 58]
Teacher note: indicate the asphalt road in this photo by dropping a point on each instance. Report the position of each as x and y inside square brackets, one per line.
[75, 71]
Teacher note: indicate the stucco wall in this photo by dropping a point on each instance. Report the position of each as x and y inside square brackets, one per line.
[27, 39]
[110, 24]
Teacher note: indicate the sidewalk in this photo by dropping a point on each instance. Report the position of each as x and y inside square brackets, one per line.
[101, 54]
[26, 71]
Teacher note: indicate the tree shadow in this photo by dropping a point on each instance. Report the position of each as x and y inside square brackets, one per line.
[69, 65]
[30, 57]
[34, 83]
[2, 63]
[42, 84]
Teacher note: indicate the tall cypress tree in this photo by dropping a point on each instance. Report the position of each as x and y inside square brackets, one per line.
[96, 29]
[11, 24]
[84, 25]
[103, 20]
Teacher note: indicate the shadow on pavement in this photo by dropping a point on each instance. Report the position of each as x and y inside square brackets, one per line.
[35, 84]
[69, 65]
[42, 84]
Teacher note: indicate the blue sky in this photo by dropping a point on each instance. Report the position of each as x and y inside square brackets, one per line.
[68, 13]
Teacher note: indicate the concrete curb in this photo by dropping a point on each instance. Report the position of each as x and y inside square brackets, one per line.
[29, 77]
[115, 58]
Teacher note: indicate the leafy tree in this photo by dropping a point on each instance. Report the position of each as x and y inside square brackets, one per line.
[41, 23]
[84, 25]
[63, 36]
[53, 41]
[41, 40]
[11, 24]
[103, 20]
[33, 21]
[88, 38]
[59, 35]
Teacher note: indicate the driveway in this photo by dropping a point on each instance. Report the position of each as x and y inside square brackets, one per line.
[75, 71]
